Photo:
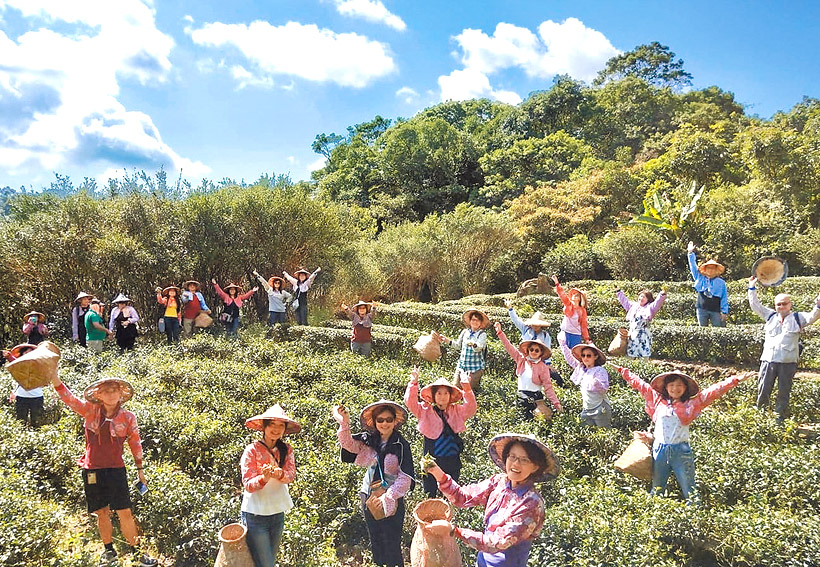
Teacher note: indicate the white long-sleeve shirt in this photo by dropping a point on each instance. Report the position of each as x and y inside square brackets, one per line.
[781, 334]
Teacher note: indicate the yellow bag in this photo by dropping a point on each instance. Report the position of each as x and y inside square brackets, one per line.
[636, 459]
[428, 347]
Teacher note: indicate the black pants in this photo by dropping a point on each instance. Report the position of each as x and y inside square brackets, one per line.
[385, 536]
[451, 465]
[29, 410]
[525, 400]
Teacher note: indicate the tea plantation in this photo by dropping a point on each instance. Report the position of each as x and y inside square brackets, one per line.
[758, 482]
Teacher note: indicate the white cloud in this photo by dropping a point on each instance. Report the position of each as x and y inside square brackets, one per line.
[58, 90]
[318, 164]
[305, 51]
[372, 11]
[465, 84]
[568, 47]
[291, 160]
[408, 95]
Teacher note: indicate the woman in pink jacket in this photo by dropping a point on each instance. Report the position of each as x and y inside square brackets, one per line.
[441, 418]
[233, 301]
[673, 401]
[533, 376]
[513, 508]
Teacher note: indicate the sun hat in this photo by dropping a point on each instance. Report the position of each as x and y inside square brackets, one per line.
[231, 285]
[82, 295]
[90, 393]
[657, 383]
[41, 318]
[169, 288]
[301, 271]
[35, 367]
[121, 298]
[185, 285]
[711, 265]
[584, 300]
[770, 270]
[576, 352]
[366, 417]
[363, 303]
[467, 314]
[282, 282]
[274, 412]
[456, 395]
[499, 442]
[537, 320]
[523, 345]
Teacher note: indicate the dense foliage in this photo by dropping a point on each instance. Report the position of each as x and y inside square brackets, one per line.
[757, 481]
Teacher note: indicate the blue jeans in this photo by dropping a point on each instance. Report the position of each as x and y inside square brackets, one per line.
[705, 316]
[677, 458]
[264, 537]
[573, 339]
[277, 317]
[172, 329]
[232, 326]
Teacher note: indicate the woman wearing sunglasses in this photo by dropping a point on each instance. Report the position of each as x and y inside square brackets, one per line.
[513, 508]
[589, 374]
[382, 450]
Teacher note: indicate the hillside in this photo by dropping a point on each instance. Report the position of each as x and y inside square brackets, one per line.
[758, 483]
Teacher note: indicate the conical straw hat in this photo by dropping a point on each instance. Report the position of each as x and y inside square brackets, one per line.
[37, 367]
[770, 271]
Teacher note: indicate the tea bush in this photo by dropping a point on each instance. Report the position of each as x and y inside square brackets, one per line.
[757, 481]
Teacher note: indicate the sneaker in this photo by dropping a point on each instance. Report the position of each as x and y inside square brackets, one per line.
[109, 559]
[147, 561]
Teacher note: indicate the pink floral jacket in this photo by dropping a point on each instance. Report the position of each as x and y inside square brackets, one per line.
[686, 411]
[257, 454]
[518, 518]
[123, 424]
[430, 424]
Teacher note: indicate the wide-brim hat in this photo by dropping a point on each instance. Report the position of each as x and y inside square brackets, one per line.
[467, 314]
[121, 298]
[82, 295]
[169, 288]
[691, 385]
[770, 270]
[232, 285]
[499, 442]
[362, 303]
[274, 412]
[90, 393]
[281, 281]
[711, 265]
[40, 316]
[301, 271]
[522, 347]
[584, 300]
[537, 320]
[576, 352]
[456, 395]
[196, 283]
[366, 417]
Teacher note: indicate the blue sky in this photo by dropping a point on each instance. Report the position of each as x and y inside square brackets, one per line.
[237, 89]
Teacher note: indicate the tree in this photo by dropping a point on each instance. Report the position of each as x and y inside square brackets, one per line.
[654, 63]
[566, 106]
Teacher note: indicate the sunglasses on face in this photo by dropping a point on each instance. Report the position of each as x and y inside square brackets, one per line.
[588, 355]
[385, 419]
[516, 459]
[783, 303]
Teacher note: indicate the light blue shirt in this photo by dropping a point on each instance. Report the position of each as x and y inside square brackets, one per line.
[716, 287]
[527, 334]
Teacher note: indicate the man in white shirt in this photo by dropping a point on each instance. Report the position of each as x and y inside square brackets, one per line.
[781, 348]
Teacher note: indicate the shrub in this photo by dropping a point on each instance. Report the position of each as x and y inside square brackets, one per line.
[636, 252]
[573, 259]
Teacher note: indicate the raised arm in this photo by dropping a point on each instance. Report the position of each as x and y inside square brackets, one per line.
[513, 352]
[754, 302]
[519, 324]
[566, 351]
[646, 391]
[656, 305]
[290, 278]
[265, 285]
[623, 300]
[248, 294]
[411, 393]
[222, 295]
